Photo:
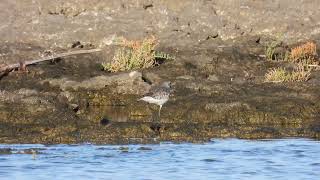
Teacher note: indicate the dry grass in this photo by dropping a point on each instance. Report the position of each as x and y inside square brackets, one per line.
[304, 58]
[278, 75]
[305, 53]
[133, 55]
[300, 73]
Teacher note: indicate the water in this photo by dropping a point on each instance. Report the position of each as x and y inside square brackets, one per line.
[221, 159]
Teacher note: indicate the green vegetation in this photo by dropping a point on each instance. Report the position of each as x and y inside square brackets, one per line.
[271, 49]
[135, 55]
[278, 75]
[304, 58]
[162, 55]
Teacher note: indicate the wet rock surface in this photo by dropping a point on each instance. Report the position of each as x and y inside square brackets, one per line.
[218, 73]
[10, 151]
[5, 151]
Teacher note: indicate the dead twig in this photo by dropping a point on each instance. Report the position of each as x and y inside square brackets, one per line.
[313, 65]
[23, 64]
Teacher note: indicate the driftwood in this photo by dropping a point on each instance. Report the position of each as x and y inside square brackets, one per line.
[22, 64]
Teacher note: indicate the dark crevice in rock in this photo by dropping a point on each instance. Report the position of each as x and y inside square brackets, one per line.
[146, 79]
[146, 6]
[105, 121]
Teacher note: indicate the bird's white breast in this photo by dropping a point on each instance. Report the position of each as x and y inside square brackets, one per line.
[150, 99]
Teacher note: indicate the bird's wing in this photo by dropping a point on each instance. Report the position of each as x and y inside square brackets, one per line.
[161, 93]
[154, 91]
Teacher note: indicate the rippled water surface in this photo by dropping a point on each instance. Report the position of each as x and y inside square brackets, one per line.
[219, 159]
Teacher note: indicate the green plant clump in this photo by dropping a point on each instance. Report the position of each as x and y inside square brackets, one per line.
[303, 57]
[278, 75]
[271, 50]
[135, 55]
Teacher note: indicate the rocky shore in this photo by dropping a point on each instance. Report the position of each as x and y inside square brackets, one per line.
[218, 71]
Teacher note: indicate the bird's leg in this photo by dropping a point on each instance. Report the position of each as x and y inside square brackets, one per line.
[160, 110]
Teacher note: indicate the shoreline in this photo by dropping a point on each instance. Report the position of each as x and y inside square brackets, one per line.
[219, 72]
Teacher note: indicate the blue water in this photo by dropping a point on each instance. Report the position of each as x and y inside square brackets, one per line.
[220, 159]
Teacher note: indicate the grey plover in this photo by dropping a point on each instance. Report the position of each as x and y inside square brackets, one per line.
[158, 95]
